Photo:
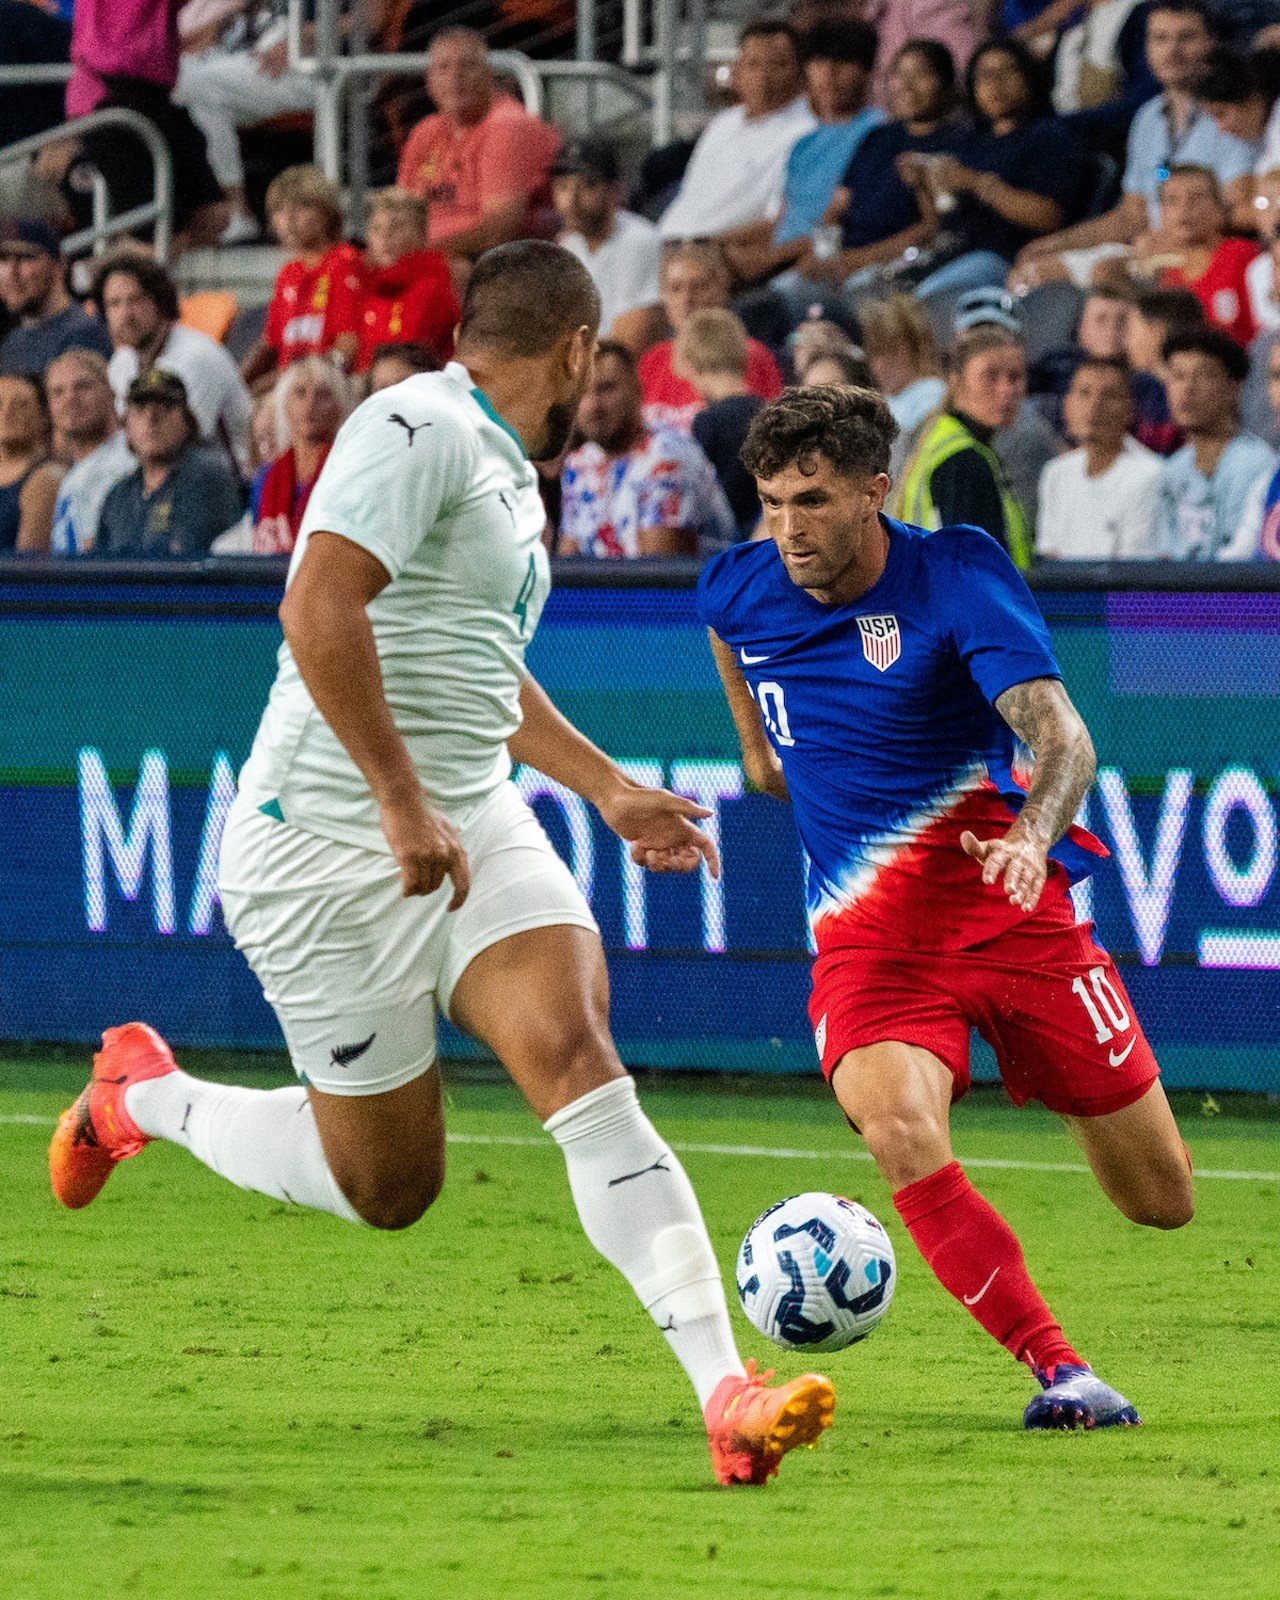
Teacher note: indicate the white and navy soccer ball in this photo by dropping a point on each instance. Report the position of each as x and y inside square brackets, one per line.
[816, 1272]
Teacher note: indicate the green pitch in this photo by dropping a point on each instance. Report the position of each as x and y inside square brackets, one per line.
[208, 1394]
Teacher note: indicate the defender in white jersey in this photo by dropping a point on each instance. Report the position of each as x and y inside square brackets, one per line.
[379, 864]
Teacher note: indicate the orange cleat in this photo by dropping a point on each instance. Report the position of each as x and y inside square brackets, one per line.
[96, 1131]
[750, 1427]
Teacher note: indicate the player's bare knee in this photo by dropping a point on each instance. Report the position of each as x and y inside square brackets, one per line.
[1168, 1208]
[575, 1054]
[391, 1202]
[905, 1147]
[1165, 1201]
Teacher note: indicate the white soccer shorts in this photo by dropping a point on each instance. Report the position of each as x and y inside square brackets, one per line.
[354, 969]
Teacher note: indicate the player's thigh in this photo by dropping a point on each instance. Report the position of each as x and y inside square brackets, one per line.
[524, 971]
[1139, 1159]
[1056, 1011]
[350, 967]
[540, 1000]
[386, 1151]
[899, 1098]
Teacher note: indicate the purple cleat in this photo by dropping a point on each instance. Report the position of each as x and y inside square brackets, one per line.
[1074, 1398]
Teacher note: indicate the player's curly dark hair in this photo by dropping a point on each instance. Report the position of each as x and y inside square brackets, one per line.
[852, 428]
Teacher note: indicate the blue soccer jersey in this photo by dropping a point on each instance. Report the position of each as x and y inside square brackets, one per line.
[882, 714]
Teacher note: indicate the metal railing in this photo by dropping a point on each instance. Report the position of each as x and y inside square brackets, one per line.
[157, 211]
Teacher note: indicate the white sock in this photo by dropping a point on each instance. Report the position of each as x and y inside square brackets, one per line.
[263, 1139]
[640, 1212]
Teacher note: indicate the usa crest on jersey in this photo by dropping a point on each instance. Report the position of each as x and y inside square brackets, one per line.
[881, 641]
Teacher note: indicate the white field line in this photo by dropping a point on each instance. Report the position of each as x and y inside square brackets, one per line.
[778, 1153]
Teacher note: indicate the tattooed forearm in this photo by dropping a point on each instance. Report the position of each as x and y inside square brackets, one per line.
[1041, 714]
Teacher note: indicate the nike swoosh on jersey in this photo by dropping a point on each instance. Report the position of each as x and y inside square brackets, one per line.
[1117, 1057]
[751, 661]
[972, 1300]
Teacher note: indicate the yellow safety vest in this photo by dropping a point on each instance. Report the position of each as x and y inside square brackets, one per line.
[944, 437]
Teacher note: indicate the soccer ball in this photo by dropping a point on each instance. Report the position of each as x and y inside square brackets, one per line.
[816, 1272]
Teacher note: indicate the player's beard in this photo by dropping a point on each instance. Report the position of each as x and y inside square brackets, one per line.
[556, 429]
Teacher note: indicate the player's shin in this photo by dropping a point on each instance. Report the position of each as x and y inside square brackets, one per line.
[639, 1210]
[263, 1139]
[975, 1255]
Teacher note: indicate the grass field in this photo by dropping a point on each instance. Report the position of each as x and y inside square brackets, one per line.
[209, 1394]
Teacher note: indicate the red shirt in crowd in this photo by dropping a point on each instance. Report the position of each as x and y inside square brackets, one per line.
[313, 306]
[1221, 288]
[671, 401]
[411, 301]
[458, 171]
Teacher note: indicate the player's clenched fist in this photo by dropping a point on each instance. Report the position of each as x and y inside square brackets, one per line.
[427, 847]
[1022, 862]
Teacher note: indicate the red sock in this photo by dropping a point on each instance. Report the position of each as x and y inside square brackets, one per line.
[975, 1256]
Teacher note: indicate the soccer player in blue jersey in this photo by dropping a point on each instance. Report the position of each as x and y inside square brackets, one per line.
[890, 683]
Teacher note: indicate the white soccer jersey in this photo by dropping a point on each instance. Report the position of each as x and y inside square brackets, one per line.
[429, 479]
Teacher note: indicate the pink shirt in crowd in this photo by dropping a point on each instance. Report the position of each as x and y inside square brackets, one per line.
[120, 39]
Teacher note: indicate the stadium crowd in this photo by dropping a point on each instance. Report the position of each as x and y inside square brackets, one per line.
[1050, 240]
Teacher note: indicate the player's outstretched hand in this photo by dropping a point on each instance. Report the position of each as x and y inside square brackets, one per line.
[1023, 863]
[660, 828]
[427, 848]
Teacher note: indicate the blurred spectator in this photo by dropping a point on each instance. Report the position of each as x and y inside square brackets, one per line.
[1018, 176]
[695, 278]
[631, 489]
[1099, 59]
[1259, 530]
[29, 36]
[838, 58]
[393, 363]
[621, 251]
[878, 203]
[842, 369]
[1098, 502]
[905, 361]
[955, 25]
[408, 289]
[481, 161]
[234, 71]
[1260, 274]
[815, 337]
[28, 478]
[317, 301]
[1194, 253]
[125, 53]
[181, 495]
[88, 435]
[711, 354]
[954, 474]
[34, 290]
[1204, 487]
[1157, 316]
[1104, 321]
[312, 401]
[1240, 93]
[1026, 444]
[140, 306]
[1171, 127]
[736, 173]
[265, 438]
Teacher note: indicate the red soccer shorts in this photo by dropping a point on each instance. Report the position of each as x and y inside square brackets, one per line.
[1044, 995]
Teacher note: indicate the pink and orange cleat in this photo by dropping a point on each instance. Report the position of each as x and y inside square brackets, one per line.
[96, 1131]
[750, 1426]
